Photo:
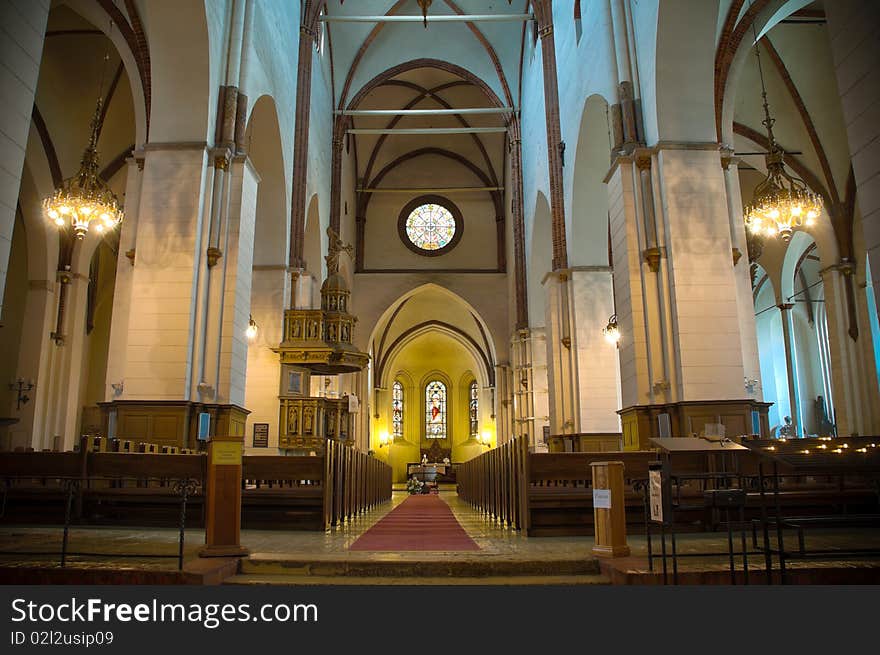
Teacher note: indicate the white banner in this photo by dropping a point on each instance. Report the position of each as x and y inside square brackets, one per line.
[655, 488]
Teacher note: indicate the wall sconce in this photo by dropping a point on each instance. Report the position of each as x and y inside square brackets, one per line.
[384, 439]
[118, 388]
[485, 439]
[22, 386]
[611, 331]
[252, 329]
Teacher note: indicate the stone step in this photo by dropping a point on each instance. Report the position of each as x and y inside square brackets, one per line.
[505, 580]
[409, 566]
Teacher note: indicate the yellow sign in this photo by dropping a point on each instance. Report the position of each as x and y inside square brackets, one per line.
[225, 453]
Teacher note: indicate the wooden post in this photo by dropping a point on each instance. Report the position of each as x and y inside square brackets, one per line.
[609, 510]
[223, 498]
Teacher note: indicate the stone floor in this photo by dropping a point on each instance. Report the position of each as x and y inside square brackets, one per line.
[497, 544]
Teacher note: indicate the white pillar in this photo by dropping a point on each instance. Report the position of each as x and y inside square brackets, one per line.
[703, 288]
[596, 363]
[117, 351]
[22, 29]
[229, 350]
[744, 299]
[168, 263]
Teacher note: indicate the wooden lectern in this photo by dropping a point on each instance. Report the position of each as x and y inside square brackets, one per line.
[609, 510]
[223, 502]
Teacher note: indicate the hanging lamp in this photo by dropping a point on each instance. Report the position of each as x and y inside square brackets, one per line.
[84, 201]
[781, 202]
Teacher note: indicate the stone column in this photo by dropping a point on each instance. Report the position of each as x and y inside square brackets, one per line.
[561, 373]
[35, 354]
[855, 49]
[22, 28]
[519, 230]
[744, 300]
[702, 284]
[117, 350]
[168, 264]
[554, 135]
[67, 370]
[301, 144]
[852, 372]
[790, 371]
[530, 390]
[229, 351]
[582, 369]
[681, 347]
[502, 403]
[596, 363]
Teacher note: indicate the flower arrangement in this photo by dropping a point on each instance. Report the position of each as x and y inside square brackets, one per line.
[416, 486]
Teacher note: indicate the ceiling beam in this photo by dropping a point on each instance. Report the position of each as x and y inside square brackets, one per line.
[429, 130]
[424, 112]
[445, 18]
[459, 189]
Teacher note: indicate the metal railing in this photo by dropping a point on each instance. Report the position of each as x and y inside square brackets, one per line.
[72, 488]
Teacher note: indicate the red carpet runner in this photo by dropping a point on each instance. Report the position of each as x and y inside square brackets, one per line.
[421, 522]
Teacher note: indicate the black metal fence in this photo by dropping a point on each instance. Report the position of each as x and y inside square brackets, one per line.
[71, 493]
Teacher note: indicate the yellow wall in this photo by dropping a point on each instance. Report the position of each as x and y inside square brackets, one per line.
[432, 355]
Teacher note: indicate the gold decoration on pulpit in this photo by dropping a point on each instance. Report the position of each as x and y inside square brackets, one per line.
[320, 339]
[319, 342]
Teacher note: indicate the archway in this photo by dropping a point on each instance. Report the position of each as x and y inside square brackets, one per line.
[269, 275]
[431, 334]
[540, 258]
[313, 250]
[587, 231]
[771, 351]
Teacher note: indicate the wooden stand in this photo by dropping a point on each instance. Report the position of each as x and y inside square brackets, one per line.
[609, 510]
[223, 502]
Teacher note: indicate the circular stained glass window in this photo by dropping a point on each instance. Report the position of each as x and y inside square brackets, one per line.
[430, 225]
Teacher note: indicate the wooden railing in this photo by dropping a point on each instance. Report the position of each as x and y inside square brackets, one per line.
[310, 493]
[496, 483]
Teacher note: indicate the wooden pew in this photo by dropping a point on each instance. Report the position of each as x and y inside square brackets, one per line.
[560, 494]
[282, 492]
[142, 488]
[33, 484]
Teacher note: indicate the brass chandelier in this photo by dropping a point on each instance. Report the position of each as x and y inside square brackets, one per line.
[84, 200]
[781, 202]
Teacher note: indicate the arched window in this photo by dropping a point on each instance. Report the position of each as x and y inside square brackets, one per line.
[475, 410]
[435, 410]
[578, 29]
[397, 410]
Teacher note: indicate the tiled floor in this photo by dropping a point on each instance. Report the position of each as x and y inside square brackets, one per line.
[496, 543]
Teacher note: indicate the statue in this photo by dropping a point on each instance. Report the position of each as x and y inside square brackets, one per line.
[292, 420]
[335, 247]
[787, 430]
[823, 424]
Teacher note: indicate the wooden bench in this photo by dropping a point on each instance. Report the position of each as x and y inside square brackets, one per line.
[282, 492]
[140, 488]
[560, 494]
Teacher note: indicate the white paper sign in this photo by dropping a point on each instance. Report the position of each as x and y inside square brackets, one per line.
[602, 498]
[354, 404]
[655, 495]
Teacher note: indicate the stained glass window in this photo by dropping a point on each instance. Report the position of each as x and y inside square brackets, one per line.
[397, 410]
[475, 410]
[430, 226]
[435, 410]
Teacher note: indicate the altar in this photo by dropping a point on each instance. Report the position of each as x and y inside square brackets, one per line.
[430, 472]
